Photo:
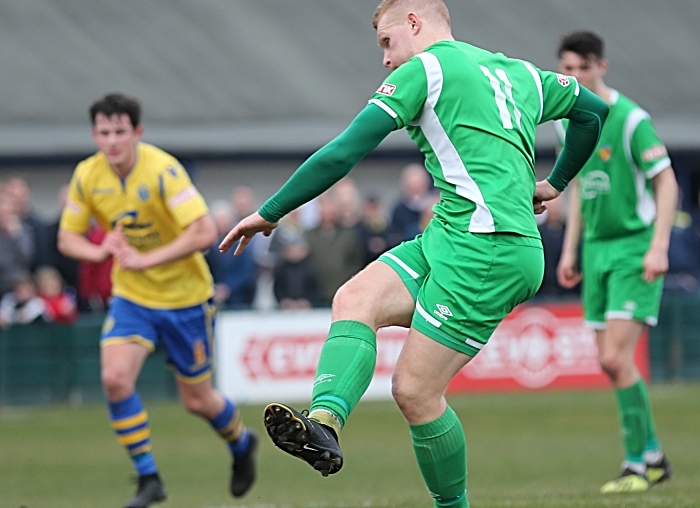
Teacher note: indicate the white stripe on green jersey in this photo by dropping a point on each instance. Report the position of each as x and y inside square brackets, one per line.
[617, 196]
[473, 115]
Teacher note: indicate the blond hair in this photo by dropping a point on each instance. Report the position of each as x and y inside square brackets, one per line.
[434, 10]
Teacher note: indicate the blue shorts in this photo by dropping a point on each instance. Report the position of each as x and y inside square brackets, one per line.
[186, 334]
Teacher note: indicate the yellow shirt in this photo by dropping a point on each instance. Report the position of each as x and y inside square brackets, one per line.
[154, 204]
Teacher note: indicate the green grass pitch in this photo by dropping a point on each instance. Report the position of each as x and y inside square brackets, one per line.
[543, 450]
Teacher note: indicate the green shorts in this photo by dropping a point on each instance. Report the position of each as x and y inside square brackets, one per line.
[465, 284]
[613, 286]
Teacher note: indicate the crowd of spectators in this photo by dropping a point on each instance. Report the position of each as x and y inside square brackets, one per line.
[309, 256]
[318, 247]
[37, 283]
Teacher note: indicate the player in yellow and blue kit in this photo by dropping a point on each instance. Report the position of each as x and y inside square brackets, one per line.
[157, 224]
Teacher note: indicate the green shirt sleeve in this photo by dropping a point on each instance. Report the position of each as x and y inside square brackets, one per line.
[330, 163]
[586, 120]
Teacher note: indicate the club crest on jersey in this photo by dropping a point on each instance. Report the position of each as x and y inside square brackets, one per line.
[563, 80]
[605, 152]
[143, 193]
[387, 89]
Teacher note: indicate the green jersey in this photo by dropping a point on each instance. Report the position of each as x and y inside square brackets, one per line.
[473, 115]
[615, 184]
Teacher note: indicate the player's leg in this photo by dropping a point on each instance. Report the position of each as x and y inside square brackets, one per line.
[474, 282]
[187, 335]
[203, 400]
[423, 370]
[127, 339]
[374, 298]
[616, 352]
[631, 305]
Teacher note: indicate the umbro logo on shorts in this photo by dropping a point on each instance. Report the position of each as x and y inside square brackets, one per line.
[443, 312]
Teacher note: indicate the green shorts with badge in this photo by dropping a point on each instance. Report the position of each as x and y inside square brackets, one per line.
[465, 284]
[613, 286]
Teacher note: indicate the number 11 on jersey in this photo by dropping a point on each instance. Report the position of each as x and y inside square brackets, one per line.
[501, 95]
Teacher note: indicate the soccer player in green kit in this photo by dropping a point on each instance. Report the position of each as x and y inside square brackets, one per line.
[623, 201]
[473, 114]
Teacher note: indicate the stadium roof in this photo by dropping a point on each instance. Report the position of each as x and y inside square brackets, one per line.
[266, 76]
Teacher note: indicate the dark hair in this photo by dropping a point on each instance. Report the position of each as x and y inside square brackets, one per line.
[585, 44]
[117, 104]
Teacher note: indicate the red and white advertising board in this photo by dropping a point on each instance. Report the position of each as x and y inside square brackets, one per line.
[540, 347]
[272, 356]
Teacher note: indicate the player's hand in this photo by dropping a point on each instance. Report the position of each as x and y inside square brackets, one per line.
[655, 264]
[245, 231]
[543, 192]
[114, 241]
[131, 259]
[567, 273]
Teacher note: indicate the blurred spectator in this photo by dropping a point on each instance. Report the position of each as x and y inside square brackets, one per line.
[267, 251]
[234, 276]
[552, 225]
[295, 279]
[16, 245]
[50, 255]
[336, 252]
[289, 228]
[94, 279]
[415, 194]
[348, 202]
[424, 217]
[21, 305]
[59, 301]
[373, 230]
[243, 201]
[20, 193]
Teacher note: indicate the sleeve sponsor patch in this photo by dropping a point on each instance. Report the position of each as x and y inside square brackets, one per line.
[183, 196]
[73, 207]
[653, 153]
[387, 89]
[563, 80]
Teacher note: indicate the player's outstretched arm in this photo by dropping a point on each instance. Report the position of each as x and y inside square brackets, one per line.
[331, 163]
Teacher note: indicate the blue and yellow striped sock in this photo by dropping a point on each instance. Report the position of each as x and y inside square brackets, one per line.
[230, 427]
[131, 425]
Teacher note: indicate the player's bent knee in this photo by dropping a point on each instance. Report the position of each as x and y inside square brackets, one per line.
[117, 384]
[353, 301]
[347, 297]
[376, 296]
[612, 365]
[194, 405]
[412, 402]
[201, 403]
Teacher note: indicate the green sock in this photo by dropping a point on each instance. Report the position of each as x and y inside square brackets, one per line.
[345, 368]
[630, 405]
[441, 451]
[652, 443]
